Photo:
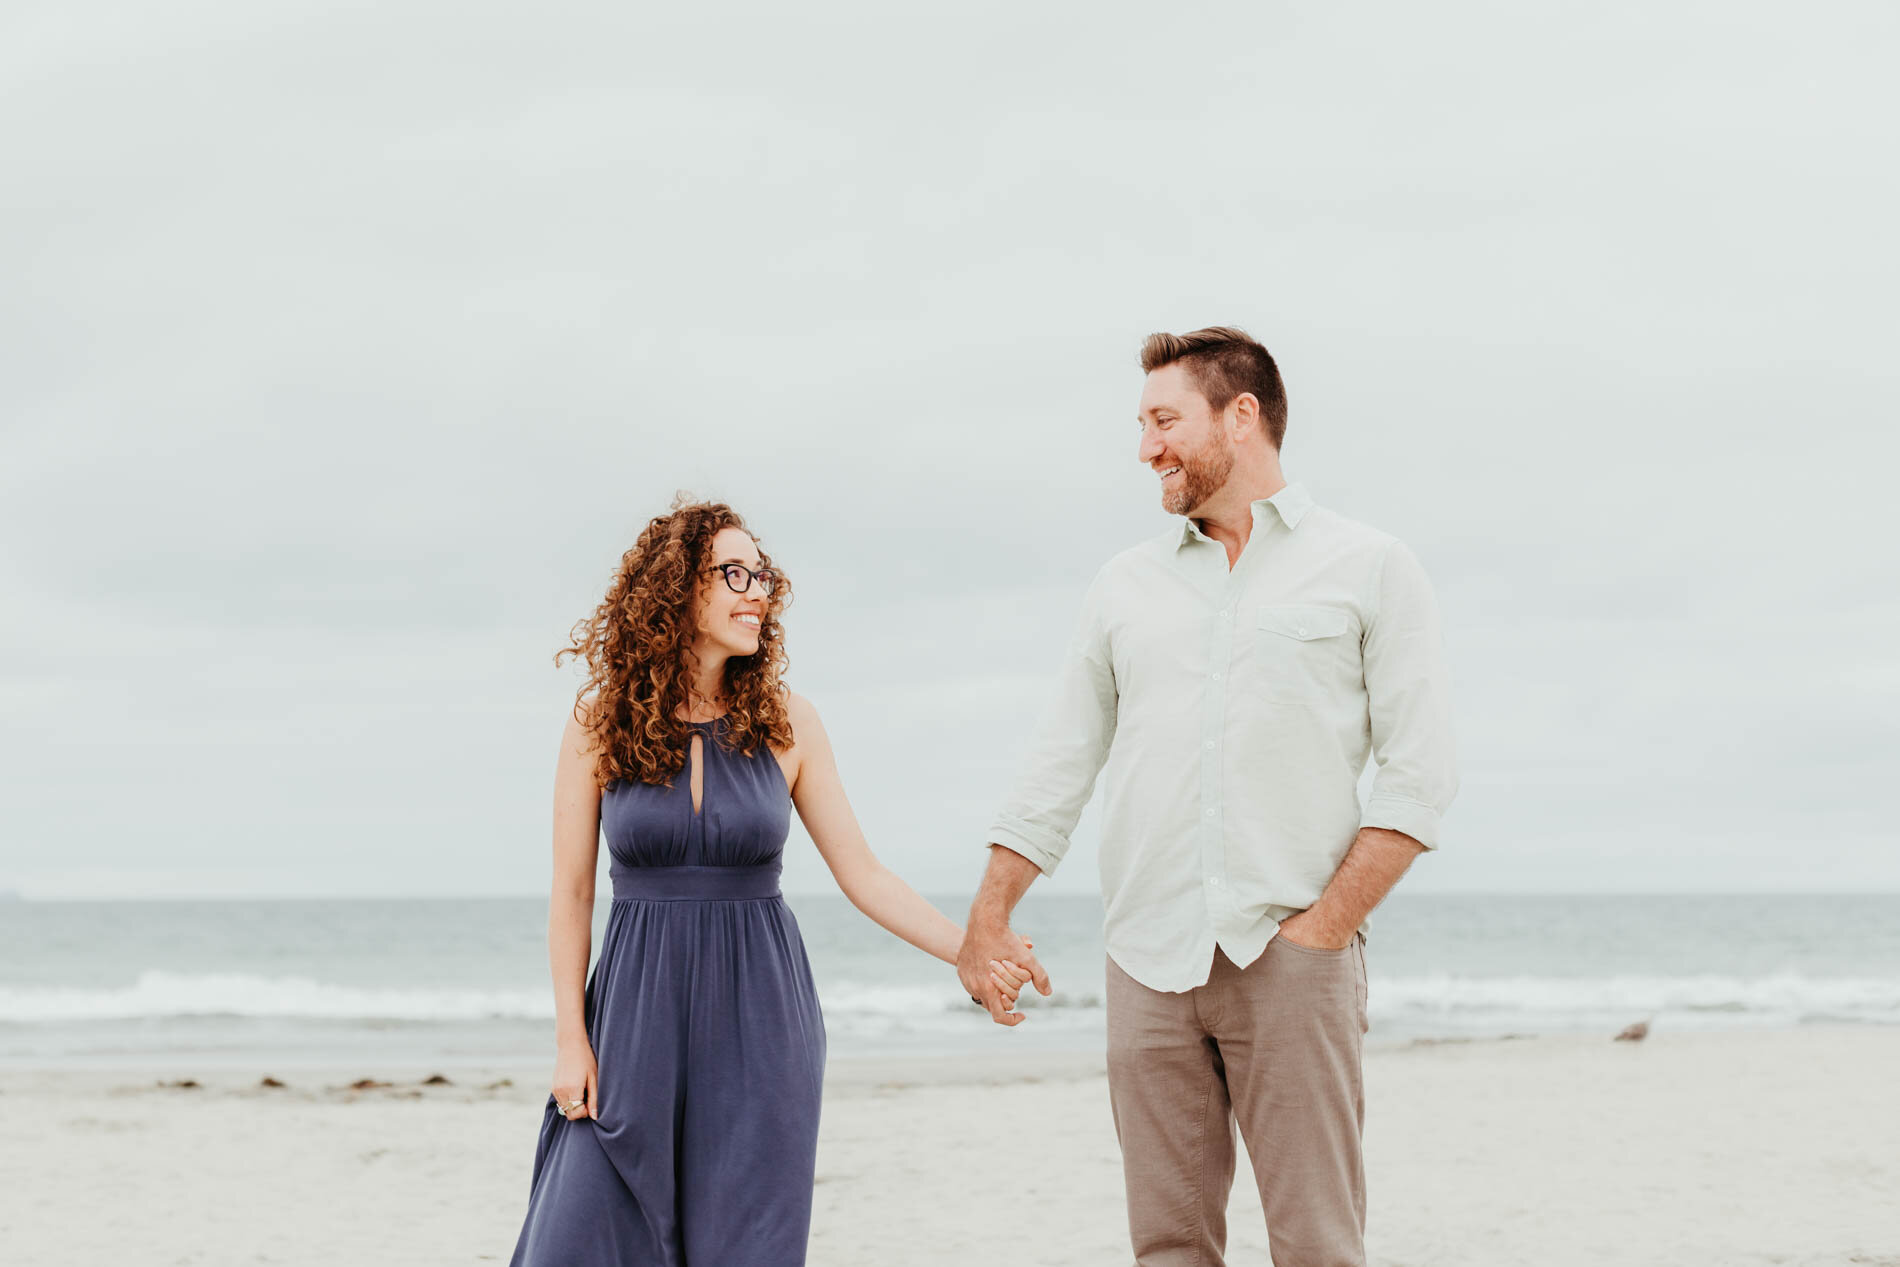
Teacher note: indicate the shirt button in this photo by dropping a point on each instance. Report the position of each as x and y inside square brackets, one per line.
[1208, 744]
[1210, 813]
[1217, 677]
[1214, 880]
[1301, 631]
[1223, 611]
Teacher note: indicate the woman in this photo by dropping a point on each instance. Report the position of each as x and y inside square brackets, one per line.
[682, 1125]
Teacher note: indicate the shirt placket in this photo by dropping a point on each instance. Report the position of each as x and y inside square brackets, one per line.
[1220, 653]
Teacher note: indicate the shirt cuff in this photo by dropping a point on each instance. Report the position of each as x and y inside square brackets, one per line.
[1038, 844]
[1420, 822]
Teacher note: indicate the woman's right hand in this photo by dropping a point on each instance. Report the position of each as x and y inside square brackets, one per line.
[576, 1078]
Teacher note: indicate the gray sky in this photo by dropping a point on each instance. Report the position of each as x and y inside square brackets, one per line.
[347, 346]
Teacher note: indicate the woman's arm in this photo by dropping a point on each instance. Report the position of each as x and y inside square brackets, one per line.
[571, 908]
[818, 794]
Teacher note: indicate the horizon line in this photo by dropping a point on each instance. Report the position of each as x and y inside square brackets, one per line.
[14, 895]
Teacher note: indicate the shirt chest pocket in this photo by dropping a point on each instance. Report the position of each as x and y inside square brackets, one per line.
[1305, 653]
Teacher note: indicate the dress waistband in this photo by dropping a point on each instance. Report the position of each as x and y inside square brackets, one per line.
[697, 884]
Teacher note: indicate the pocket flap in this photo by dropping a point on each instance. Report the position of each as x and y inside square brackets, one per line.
[1304, 623]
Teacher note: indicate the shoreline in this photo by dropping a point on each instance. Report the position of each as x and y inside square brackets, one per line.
[1735, 1147]
[974, 1063]
[980, 1049]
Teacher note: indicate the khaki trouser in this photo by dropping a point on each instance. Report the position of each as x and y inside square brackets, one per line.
[1275, 1045]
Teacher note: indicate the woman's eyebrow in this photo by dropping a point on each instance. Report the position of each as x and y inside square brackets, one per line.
[741, 562]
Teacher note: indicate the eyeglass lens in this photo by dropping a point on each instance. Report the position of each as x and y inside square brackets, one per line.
[739, 579]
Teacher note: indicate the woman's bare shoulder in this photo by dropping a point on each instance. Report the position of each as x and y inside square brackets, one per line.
[580, 734]
[803, 716]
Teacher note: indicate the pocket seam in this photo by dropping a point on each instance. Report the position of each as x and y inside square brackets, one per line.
[1317, 951]
[1293, 621]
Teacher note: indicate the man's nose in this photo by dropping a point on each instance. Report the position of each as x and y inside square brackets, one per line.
[1150, 446]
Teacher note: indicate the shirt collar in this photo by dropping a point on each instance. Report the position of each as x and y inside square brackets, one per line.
[1290, 503]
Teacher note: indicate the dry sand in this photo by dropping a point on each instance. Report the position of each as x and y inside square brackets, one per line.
[1710, 1148]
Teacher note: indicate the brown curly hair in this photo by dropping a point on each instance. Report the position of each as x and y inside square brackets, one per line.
[637, 643]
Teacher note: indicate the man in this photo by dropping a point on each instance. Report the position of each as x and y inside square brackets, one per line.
[1234, 674]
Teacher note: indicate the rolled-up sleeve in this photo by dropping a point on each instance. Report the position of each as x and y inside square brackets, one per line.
[1070, 748]
[1408, 690]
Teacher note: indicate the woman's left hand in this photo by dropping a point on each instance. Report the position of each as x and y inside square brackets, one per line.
[1009, 979]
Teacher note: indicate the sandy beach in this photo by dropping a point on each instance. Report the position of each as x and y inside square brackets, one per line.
[1771, 1146]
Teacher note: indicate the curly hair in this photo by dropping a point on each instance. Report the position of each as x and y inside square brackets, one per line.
[637, 645]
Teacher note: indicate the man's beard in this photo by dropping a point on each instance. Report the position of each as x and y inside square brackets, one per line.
[1201, 477]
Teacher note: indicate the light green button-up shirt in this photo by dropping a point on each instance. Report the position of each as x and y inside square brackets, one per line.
[1235, 711]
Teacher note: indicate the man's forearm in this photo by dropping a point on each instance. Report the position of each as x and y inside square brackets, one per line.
[987, 937]
[1375, 862]
[1005, 880]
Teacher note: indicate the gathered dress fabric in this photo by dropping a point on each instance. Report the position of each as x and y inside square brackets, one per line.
[707, 1035]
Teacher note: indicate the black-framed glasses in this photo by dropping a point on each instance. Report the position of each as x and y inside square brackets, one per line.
[739, 577]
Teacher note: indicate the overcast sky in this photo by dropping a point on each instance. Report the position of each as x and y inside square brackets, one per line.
[347, 346]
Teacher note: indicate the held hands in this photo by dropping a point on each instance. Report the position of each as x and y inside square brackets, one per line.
[576, 1086]
[994, 964]
[1009, 979]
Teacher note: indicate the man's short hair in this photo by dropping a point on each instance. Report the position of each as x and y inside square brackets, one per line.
[1222, 362]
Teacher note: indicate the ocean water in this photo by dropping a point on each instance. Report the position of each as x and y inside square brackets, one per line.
[461, 981]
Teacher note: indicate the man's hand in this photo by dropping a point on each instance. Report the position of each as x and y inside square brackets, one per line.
[983, 942]
[1374, 863]
[1311, 929]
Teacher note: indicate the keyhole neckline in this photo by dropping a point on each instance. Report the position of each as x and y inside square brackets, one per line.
[696, 765]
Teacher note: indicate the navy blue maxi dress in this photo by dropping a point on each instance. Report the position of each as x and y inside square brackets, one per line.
[707, 1036]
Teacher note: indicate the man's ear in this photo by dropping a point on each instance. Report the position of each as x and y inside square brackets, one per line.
[1246, 411]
